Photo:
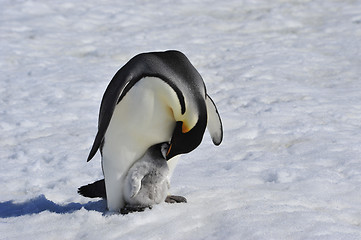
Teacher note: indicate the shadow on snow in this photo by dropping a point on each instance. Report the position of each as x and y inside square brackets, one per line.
[41, 204]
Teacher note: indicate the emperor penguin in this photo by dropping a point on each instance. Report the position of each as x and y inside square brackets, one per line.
[147, 182]
[156, 97]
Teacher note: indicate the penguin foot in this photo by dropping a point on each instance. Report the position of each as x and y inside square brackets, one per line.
[175, 199]
[133, 208]
[94, 190]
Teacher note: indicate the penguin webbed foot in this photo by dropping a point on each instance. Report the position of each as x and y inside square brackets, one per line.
[175, 199]
[134, 208]
[94, 190]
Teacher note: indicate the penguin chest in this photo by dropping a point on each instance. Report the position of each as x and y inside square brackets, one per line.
[144, 117]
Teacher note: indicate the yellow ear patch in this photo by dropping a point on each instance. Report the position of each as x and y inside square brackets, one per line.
[185, 128]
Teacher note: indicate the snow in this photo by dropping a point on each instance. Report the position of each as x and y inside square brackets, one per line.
[285, 76]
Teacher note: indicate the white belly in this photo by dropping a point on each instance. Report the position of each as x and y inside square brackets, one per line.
[144, 117]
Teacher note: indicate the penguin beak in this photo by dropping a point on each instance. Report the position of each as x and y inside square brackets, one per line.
[176, 139]
[184, 139]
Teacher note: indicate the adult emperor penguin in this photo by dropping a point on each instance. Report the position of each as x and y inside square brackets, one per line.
[156, 97]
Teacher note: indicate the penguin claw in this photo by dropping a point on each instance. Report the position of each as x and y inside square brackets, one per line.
[133, 208]
[175, 199]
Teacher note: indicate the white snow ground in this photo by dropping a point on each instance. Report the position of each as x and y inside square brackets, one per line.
[285, 75]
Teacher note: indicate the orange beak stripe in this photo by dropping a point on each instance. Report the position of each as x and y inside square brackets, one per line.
[170, 146]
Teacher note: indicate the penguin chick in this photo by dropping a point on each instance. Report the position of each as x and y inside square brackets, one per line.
[146, 182]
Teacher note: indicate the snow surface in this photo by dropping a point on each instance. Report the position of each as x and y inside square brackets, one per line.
[284, 74]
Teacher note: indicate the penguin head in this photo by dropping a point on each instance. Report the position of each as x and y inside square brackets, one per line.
[185, 140]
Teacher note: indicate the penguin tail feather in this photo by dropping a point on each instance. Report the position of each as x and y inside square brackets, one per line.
[93, 190]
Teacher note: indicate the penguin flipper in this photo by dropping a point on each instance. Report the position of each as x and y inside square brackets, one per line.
[136, 182]
[214, 123]
[94, 190]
